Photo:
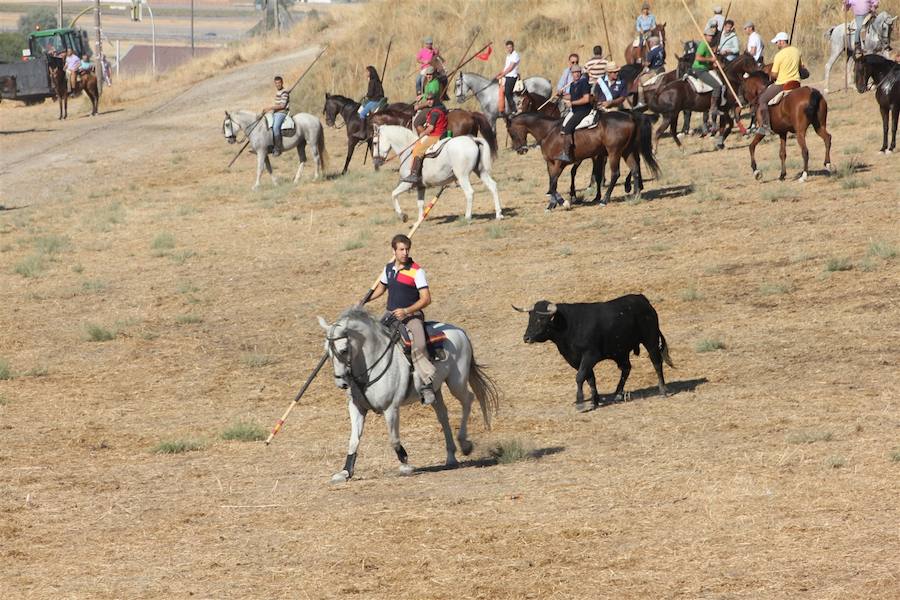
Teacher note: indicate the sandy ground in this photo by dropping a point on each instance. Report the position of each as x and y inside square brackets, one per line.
[772, 472]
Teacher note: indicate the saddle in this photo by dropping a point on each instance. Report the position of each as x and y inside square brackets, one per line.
[519, 87]
[434, 337]
[288, 128]
[381, 105]
[651, 79]
[699, 86]
[788, 88]
[589, 121]
[436, 149]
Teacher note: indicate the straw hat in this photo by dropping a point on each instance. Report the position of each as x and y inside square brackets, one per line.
[612, 67]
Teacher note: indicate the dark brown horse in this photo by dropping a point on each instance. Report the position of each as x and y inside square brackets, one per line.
[464, 122]
[886, 75]
[798, 110]
[638, 55]
[86, 82]
[618, 135]
[357, 133]
[531, 102]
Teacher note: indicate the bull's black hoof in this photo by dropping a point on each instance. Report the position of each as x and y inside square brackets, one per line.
[584, 407]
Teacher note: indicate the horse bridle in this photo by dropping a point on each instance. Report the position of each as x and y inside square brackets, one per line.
[364, 382]
[228, 130]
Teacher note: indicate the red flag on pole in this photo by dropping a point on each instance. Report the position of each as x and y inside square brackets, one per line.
[486, 54]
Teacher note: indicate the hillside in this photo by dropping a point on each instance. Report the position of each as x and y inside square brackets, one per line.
[152, 302]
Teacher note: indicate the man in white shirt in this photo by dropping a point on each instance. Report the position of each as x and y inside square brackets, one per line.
[755, 43]
[508, 76]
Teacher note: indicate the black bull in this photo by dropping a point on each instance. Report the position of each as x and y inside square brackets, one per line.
[587, 333]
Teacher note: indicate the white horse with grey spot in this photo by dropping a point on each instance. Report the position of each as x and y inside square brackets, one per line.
[307, 131]
[456, 159]
[372, 367]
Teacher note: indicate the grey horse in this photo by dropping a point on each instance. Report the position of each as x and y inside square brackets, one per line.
[877, 40]
[486, 91]
[377, 376]
[308, 131]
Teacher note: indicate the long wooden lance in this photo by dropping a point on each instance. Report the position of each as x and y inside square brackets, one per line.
[280, 423]
[794, 22]
[605, 28]
[721, 70]
[253, 126]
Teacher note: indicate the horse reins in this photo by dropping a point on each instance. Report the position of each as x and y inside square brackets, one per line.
[364, 383]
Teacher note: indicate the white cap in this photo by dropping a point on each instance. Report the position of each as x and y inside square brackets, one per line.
[781, 37]
[717, 9]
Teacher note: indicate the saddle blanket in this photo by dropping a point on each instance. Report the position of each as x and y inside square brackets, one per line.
[436, 149]
[287, 128]
[701, 87]
[651, 79]
[780, 96]
[587, 122]
[434, 333]
[519, 87]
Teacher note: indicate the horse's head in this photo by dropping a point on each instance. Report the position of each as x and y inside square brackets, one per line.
[337, 344]
[228, 129]
[518, 133]
[884, 25]
[661, 32]
[379, 155]
[331, 109]
[460, 88]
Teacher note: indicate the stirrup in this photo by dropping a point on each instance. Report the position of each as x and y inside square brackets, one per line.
[411, 178]
[427, 394]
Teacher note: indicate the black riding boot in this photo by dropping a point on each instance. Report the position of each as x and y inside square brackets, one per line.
[276, 147]
[569, 151]
[415, 172]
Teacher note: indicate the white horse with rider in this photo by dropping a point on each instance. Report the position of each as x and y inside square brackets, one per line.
[372, 367]
[308, 131]
[487, 92]
[875, 39]
[456, 159]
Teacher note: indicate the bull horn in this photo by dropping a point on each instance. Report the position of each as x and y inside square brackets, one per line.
[551, 310]
[522, 309]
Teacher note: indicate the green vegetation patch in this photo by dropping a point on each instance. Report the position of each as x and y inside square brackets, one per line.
[245, 431]
[178, 446]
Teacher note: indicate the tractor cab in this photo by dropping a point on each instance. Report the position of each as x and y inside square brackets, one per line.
[56, 42]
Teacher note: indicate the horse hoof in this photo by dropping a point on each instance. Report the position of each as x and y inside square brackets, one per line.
[451, 464]
[406, 469]
[567, 205]
[829, 167]
[782, 177]
[802, 178]
[340, 477]
[466, 447]
[757, 174]
[499, 216]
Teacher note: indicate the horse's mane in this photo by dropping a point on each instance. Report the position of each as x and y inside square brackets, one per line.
[340, 98]
[361, 315]
[876, 60]
[535, 115]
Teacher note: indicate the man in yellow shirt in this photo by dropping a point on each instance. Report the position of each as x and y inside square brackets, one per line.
[786, 72]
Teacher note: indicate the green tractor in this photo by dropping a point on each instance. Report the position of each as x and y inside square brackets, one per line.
[29, 80]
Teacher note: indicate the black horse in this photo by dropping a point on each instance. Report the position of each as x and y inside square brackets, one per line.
[357, 131]
[886, 75]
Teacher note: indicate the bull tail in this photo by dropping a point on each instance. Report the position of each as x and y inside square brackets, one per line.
[812, 109]
[486, 131]
[646, 144]
[664, 350]
[485, 389]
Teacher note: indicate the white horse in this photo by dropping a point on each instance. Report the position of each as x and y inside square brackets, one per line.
[373, 369]
[308, 131]
[877, 40]
[487, 92]
[458, 158]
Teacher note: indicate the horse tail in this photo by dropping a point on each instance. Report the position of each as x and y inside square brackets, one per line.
[484, 128]
[485, 389]
[829, 32]
[483, 162]
[320, 146]
[645, 134]
[812, 108]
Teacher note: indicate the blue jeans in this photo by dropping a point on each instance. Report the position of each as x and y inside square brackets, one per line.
[368, 107]
[419, 79]
[277, 120]
[859, 25]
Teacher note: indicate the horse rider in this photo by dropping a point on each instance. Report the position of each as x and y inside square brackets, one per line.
[729, 44]
[279, 112]
[717, 21]
[374, 93]
[73, 63]
[578, 97]
[86, 65]
[861, 11]
[703, 62]
[404, 281]
[430, 86]
[754, 42]
[786, 69]
[567, 77]
[613, 89]
[656, 56]
[644, 24]
[435, 128]
[424, 57]
[509, 75]
[595, 66]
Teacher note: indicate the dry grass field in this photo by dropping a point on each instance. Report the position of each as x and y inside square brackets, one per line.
[154, 306]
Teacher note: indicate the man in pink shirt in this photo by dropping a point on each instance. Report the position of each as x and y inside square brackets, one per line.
[861, 10]
[424, 57]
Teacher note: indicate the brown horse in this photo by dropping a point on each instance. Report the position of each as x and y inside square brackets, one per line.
[798, 110]
[531, 102]
[357, 133]
[638, 55]
[86, 82]
[618, 135]
[464, 122]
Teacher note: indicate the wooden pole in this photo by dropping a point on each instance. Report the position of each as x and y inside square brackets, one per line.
[605, 29]
[794, 22]
[280, 423]
[253, 126]
[846, 50]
